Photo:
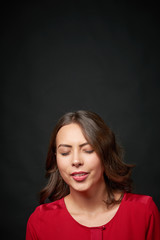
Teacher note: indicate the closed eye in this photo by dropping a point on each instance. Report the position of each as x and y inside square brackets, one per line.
[65, 154]
[89, 151]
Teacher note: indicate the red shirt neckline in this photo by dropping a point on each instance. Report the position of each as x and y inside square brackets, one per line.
[102, 226]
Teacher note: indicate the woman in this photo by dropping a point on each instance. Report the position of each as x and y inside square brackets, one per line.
[89, 187]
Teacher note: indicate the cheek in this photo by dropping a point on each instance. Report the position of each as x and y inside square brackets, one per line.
[97, 165]
[62, 165]
[99, 171]
[96, 161]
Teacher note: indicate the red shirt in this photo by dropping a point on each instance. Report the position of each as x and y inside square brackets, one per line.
[137, 218]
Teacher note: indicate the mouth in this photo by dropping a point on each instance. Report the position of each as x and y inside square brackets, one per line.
[79, 176]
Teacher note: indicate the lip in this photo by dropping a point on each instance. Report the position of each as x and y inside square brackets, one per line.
[79, 176]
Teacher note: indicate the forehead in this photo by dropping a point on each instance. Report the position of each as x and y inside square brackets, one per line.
[70, 133]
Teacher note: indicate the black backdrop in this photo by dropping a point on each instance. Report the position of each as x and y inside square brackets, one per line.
[68, 56]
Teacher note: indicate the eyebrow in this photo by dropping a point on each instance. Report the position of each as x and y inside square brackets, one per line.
[69, 146]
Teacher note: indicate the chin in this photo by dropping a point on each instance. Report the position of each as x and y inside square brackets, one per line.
[83, 189]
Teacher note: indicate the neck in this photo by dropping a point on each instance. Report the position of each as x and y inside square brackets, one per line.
[90, 201]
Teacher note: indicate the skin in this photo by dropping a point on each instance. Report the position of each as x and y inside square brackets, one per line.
[85, 201]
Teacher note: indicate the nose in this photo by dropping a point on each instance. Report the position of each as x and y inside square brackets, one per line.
[77, 160]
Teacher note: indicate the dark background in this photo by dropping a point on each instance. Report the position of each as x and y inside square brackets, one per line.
[68, 56]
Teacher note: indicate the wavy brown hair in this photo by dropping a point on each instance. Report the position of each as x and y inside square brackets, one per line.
[117, 174]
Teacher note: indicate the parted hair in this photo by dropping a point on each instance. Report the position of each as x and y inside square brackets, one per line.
[117, 174]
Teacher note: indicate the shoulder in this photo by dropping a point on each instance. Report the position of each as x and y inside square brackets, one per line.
[140, 203]
[44, 218]
[138, 199]
[46, 209]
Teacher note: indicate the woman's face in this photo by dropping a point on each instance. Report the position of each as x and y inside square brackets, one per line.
[78, 163]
